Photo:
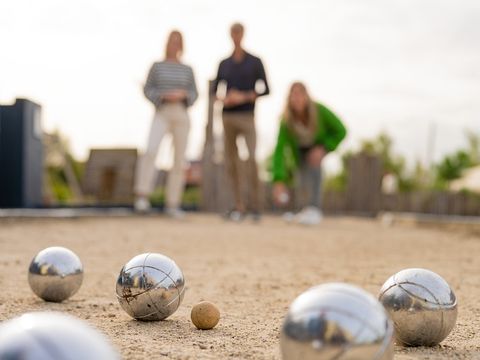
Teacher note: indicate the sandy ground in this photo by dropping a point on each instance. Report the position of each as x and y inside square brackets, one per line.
[252, 272]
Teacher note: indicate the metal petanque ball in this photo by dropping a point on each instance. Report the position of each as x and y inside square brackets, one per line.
[336, 321]
[150, 287]
[422, 306]
[55, 274]
[52, 336]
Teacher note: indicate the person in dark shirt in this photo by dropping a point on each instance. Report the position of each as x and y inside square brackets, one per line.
[243, 76]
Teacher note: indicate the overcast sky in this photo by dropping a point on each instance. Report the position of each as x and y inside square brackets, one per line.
[394, 65]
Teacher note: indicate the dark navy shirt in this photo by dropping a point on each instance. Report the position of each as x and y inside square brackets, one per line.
[242, 76]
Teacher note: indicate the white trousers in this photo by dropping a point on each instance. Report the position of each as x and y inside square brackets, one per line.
[169, 118]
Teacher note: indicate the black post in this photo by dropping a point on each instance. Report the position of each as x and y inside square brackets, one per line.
[21, 155]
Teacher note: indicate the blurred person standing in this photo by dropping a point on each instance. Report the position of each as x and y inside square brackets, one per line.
[308, 132]
[243, 74]
[171, 88]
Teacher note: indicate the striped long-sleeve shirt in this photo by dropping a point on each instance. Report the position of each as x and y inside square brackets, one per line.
[166, 76]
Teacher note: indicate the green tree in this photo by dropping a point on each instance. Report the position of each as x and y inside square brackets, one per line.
[452, 166]
[338, 181]
[382, 146]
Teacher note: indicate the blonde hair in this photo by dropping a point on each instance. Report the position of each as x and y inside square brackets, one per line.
[304, 125]
[289, 113]
[169, 40]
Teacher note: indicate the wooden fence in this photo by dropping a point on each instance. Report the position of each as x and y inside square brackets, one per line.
[363, 193]
[423, 202]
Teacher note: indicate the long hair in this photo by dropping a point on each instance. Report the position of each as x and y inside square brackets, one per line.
[303, 124]
[169, 40]
[289, 113]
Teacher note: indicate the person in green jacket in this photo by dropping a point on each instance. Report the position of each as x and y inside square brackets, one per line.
[308, 132]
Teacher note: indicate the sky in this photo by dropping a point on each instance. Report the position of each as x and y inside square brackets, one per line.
[408, 67]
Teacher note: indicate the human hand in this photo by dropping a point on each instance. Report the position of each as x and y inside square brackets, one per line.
[175, 95]
[280, 194]
[315, 156]
[233, 98]
[236, 97]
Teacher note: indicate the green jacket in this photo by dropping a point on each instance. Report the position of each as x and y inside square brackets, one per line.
[286, 158]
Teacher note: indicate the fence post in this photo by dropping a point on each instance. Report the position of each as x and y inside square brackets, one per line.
[364, 180]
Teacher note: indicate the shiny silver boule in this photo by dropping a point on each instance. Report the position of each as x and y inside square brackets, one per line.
[150, 287]
[422, 306]
[336, 321]
[52, 336]
[55, 274]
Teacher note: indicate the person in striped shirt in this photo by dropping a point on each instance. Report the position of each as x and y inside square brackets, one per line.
[171, 88]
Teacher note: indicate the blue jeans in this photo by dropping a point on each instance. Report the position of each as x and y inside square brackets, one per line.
[308, 190]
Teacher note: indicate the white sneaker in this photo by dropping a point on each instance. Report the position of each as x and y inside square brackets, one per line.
[288, 216]
[176, 213]
[234, 215]
[310, 215]
[142, 204]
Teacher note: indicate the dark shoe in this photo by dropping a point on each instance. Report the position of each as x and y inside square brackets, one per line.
[256, 216]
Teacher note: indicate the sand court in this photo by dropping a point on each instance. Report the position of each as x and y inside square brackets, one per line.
[252, 272]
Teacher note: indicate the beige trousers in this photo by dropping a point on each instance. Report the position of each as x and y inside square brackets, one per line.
[241, 124]
[169, 118]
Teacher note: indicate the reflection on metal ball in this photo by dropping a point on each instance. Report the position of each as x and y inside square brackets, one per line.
[422, 306]
[336, 321]
[55, 274]
[150, 287]
[52, 336]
